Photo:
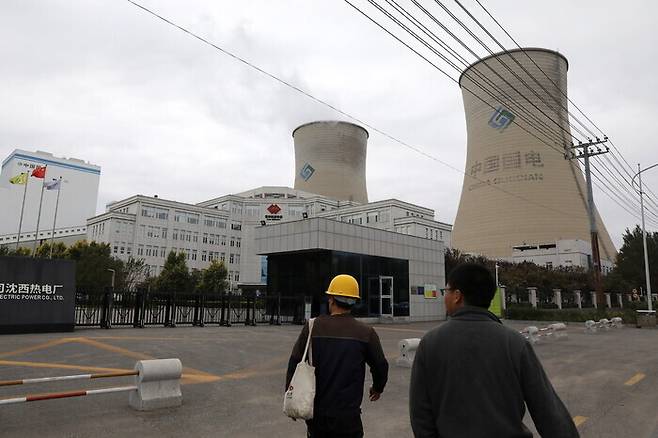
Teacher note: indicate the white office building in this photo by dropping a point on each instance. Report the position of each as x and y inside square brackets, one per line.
[224, 228]
[77, 201]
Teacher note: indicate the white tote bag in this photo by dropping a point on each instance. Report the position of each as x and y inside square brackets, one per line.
[298, 399]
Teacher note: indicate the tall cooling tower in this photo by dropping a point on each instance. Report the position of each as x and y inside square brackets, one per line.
[330, 160]
[504, 156]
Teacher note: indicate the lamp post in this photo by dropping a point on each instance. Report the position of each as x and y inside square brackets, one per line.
[644, 232]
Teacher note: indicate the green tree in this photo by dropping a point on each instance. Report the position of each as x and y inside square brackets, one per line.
[20, 252]
[629, 271]
[4, 250]
[213, 278]
[59, 250]
[92, 263]
[175, 276]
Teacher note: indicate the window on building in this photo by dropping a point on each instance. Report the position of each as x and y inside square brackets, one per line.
[222, 257]
[204, 256]
[164, 233]
[174, 235]
[211, 239]
[223, 241]
[195, 237]
[232, 242]
[238, 242]
[231, 258]
[237, 276]
[236, 226]
[205, 238]
[193, 254]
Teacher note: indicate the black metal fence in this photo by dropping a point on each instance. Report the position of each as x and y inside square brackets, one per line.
[141, 309]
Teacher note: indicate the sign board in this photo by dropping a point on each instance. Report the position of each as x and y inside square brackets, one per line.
[430, 291]
[36, 295]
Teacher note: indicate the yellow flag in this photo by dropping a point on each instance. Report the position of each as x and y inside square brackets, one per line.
[496, 305]
[19, 179]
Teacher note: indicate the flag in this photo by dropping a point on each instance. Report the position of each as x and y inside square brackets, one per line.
[52, 185]
[39, 172]
[19, 179]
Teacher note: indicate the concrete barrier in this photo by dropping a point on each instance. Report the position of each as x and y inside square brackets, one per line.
[158, 384]
[604, 324]
[408, 349]
[553, 331]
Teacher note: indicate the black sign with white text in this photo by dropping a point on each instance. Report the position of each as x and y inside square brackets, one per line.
[36, 295]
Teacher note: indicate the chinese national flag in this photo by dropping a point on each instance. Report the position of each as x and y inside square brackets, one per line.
[39, 172]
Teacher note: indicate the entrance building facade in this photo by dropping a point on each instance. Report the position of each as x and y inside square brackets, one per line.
[400, 276]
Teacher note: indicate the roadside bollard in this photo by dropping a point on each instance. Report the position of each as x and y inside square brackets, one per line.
[158, 384]
[408, 349]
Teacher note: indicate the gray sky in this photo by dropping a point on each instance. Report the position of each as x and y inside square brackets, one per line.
[163, 114]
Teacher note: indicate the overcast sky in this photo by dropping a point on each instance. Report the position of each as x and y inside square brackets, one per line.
[164, 114]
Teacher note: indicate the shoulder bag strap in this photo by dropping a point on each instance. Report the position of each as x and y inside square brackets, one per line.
[308, 350]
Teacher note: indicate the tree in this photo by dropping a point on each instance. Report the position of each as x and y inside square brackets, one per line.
[134, 271]
[20, 252]
[213, 278]
[59, 250]
[92, 263]
[629, 272]
[175, 276]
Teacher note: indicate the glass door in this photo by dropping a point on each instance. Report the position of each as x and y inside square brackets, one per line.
[386, 296]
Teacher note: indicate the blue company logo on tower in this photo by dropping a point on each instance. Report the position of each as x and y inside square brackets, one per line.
[307, 172]
[501, 119]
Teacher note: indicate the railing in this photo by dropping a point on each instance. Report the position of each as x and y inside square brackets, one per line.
[141, 309]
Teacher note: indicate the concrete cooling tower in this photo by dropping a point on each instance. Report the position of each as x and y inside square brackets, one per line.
[501, 155]
[330, 160]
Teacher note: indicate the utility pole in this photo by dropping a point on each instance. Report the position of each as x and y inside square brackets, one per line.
[586, 151]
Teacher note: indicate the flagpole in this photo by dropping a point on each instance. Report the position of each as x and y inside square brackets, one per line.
[52, 236]
[20, 221]
[36, 234]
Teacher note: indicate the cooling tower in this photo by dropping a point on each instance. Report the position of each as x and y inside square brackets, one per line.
[525, 192]
[330, 160]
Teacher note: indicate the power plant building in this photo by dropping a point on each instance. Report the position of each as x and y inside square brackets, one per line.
[518, 190]
[77, 198]
[395, 249]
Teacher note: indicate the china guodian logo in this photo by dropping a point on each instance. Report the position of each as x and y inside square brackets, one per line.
[307, 172]
[501, 119]
[274, 209]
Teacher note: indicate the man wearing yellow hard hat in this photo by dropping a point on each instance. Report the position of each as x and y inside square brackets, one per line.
[340, 348]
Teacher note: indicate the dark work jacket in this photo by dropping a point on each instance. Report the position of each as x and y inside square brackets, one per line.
[341, 347]
[472, 377]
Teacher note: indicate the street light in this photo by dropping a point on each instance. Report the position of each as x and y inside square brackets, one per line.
[644, 232]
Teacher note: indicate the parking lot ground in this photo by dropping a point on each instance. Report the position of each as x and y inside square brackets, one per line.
[233, 381]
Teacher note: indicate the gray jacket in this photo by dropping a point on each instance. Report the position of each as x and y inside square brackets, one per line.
[472, 377]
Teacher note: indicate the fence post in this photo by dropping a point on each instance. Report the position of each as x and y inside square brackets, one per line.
[620, 299]
[228, 310]
[106, 314]
[246, 317]
[137, 308]
[503, 297]
[168, 311]
[579, 298]
[278, 309]
[557, 297]
[593, 295]
[532, 292]
[608, 302]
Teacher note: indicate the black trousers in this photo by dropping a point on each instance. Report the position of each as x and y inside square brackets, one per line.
[335, 427]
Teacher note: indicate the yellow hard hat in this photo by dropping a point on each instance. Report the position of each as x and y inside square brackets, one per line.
[344, 285]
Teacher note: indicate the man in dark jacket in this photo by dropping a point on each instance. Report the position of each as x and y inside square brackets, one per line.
[472, 377]
[340, 348]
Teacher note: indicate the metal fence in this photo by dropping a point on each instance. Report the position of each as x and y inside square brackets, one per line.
[141, 309]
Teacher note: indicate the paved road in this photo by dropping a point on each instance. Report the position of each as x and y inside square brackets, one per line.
[234, 378]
